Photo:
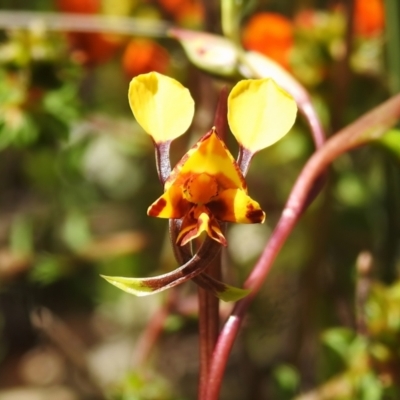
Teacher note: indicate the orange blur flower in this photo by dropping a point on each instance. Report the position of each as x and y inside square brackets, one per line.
[270, 34]
[144, 55]
[369, 17]
[88, 48]
[185, 12]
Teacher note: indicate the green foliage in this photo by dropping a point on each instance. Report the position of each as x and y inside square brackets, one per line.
[287, 379]
[143, 386]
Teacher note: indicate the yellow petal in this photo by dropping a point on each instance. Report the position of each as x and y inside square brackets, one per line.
[260, 113]
[234, 205]
[209, 156]
[161, 105]
[170, 205]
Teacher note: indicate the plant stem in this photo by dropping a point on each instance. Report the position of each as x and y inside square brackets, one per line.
[208, 303]
[208, 326]
[367, 128]
[342, 71]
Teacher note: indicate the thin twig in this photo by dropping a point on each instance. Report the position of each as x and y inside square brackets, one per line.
[364, 266]
[84, 23]
[342, 70]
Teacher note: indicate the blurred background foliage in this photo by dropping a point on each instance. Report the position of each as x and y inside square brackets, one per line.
[77, 175]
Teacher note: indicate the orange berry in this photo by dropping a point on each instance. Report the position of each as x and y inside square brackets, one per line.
[91, 48]
[144, 55]
[171, 6]
[88, 48]
[270, 34]
[369, 17]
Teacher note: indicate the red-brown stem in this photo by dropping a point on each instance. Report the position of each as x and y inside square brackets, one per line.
[208, 303]
[342, 72]
[163, 164]
[372, 124]
[220, 120]
[208, 326]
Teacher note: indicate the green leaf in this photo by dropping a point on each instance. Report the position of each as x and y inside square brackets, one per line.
[135, 286]
[47, 269]
[391, 141]
[287, 377]
[220, 289]
[21, 238]
[17, 129]
[231, 293]
[370, 387]
[230, 19]
[76, 232]
[146, 286]
[339, 340]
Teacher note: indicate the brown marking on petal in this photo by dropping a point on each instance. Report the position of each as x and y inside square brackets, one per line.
[157, 207]
[254, 215]
[217, 207]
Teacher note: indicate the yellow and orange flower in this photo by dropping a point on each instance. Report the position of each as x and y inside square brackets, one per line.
[205, 187]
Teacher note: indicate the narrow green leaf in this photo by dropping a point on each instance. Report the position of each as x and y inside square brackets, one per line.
[391, 142]
[339, 340]
[135, 286]
[220, 289]
[231, 293]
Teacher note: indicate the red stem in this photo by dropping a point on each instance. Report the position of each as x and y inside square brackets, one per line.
[208, 327]
[366, 128]
[208, 303]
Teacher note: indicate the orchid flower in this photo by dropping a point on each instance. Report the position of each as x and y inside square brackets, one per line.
[207, 187]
